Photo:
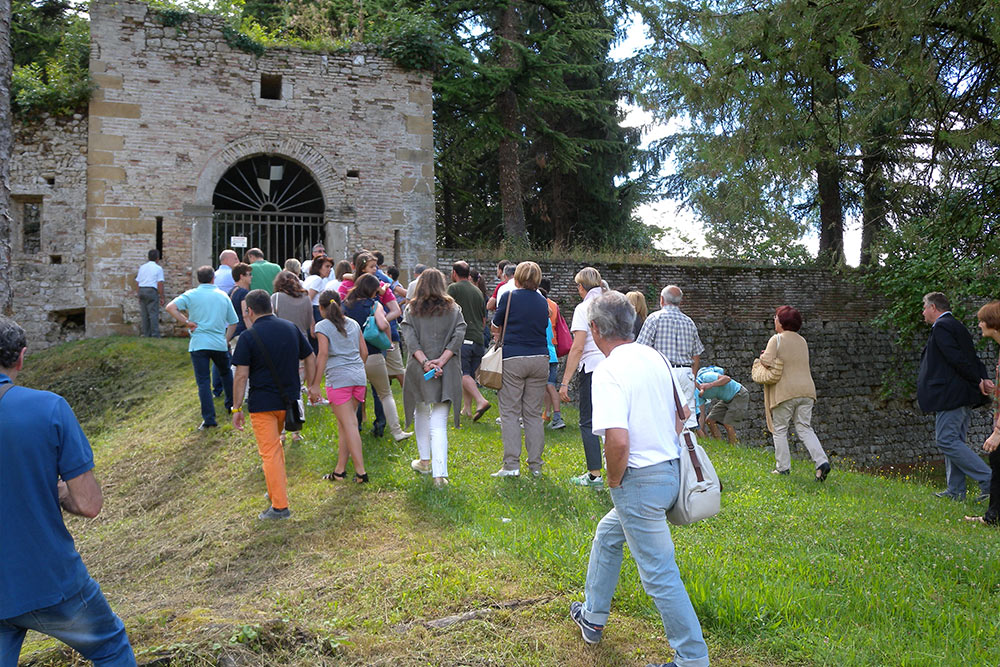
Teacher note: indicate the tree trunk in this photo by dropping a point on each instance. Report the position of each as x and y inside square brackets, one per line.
[831, 213]
[511, 197]
[6, 151]
[447, 216]
[873, 206]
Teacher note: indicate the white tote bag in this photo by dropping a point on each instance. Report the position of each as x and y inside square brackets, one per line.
[700, 493]
[490, 373]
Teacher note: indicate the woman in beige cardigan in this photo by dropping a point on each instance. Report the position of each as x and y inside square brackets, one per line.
[790, 400]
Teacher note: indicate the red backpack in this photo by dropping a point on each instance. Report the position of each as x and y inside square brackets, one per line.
[564, 339]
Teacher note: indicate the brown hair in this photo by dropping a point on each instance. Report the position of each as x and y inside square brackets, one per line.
[638, 301]
[990, 314]
[288, 283]
[789, 318]
[318, 263]
[431, 299]
[329, 303]
[365, 287]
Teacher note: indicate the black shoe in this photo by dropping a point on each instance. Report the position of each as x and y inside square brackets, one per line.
[217, 394]
[378, 430]
[822, 470]
[205, 425]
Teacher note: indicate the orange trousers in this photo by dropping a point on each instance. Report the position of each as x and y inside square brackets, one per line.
[267, 427]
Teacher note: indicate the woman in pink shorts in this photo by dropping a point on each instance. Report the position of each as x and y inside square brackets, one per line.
[342, 354]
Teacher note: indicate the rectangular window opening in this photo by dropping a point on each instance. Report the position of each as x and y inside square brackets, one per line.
[159, 235]
[50, 180]
[270, 86]
[395, 247]
[70, 321]
[353, 173]
[55, 259]
[31, 227]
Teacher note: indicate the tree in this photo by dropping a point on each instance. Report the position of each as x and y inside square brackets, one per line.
[851, 108]
[6, 151]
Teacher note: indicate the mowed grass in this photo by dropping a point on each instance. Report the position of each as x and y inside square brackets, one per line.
[857, 571]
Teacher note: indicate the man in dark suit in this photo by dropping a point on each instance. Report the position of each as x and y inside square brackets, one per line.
[950, 384]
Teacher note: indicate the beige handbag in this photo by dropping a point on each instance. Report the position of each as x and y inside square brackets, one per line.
[762, 374]
[490, 373]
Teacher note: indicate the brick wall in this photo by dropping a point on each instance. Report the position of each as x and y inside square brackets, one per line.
[733, 308]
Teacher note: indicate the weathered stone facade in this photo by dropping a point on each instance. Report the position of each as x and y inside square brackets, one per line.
[175, 108]
[734, 308]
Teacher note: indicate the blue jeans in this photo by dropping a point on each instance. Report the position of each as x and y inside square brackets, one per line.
[640, 518]
[951, 428]
[84, 621]
[217, 379]
[201, 360]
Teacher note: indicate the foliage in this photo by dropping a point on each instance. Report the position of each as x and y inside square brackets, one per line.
[801, 114]
[172, 17]
[186, 563]
[243, 42]
[51, 51]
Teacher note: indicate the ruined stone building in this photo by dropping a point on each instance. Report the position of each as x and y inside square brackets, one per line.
[189, 141]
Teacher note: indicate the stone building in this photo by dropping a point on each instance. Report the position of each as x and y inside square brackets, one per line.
[189, 141]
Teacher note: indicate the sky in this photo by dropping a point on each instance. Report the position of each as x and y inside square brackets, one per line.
[667, 213]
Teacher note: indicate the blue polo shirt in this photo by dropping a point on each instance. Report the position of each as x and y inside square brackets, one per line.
[722, 393]
[40, 442]
[209, 308]
[286, 346]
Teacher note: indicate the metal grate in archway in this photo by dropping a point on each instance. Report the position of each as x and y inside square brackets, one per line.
[279, 235]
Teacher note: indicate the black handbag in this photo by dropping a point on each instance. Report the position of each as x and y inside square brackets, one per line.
[295, 416]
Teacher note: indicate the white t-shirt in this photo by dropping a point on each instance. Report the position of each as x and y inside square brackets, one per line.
[506, 287]
[592, 354]
[149, 274]
[317, 283]
[632, 389]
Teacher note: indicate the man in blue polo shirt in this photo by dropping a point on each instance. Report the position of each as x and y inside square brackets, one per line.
[729, 400]
[268, 354]
[46, 463]
[210, 321]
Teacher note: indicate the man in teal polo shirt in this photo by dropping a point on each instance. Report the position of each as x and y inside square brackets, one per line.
[264, 271]
[46, 468]
[210, 321]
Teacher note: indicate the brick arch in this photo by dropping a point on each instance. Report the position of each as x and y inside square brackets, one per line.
[251, 145]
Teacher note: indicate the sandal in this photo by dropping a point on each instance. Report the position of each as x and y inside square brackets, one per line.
[335, 476]
[361, 478]
[976, 519]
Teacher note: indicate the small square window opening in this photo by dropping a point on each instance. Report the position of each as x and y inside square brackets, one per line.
[270, 86]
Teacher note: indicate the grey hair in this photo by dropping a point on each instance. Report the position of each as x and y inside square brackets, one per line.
[12, 341]
[613, 316]
[673, 299]
[508, 271]
[419, 268]
[938, 300]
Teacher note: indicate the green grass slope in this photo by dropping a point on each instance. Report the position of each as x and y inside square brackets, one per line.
[857, 571]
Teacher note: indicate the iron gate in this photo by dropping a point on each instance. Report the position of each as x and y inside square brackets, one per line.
[279, 235]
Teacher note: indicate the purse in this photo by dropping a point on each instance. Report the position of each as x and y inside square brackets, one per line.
[295, 412]
[762, 374]
[375, 336]
[490, 373]
[699, 495]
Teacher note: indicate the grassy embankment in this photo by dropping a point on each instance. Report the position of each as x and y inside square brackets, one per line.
[859, 571]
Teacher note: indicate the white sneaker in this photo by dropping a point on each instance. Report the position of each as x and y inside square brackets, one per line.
[402, 435]
[418, 467]
[503, 472]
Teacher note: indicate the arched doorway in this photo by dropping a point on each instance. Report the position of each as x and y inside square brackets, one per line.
[274, 203]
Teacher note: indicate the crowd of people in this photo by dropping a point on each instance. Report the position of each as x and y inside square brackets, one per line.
[332, 329]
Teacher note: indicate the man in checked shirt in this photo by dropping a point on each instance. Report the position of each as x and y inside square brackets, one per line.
[672, 333]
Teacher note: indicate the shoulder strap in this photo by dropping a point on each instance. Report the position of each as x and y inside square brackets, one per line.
[5, 387]
[688, 445]
[506, 314]
[270, 364]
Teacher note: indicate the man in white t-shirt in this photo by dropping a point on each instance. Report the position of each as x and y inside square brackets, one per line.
[319, 250]
[634, 412]
[149, 288]
[224, 274]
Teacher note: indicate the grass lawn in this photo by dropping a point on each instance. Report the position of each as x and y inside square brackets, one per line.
[860, 570]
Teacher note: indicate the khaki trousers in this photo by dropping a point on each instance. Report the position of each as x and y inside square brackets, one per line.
[797, 412]
[377, 374]
[521, 397]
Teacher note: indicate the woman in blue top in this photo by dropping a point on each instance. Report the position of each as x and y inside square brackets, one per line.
[361, 302]
[525, 369]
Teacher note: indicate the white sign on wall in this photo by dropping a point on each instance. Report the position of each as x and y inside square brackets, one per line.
[237, 242]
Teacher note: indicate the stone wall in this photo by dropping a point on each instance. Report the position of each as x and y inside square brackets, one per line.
[48, 170]
[733, 308]
[177, 106]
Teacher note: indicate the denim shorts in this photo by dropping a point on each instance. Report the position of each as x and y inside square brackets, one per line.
[472, 356]
[554, 373]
